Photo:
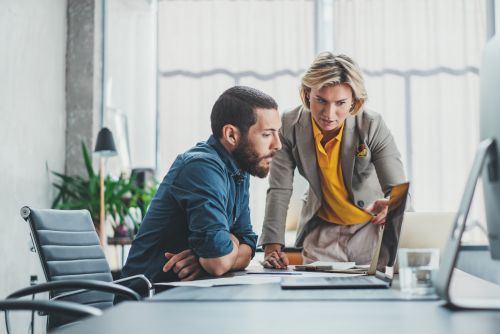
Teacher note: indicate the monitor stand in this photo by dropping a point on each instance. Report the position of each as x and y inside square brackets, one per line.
[486, 149]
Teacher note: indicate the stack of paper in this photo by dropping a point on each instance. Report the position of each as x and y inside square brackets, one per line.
[338, 267]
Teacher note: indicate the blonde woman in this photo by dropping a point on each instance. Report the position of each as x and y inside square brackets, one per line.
[350, 160]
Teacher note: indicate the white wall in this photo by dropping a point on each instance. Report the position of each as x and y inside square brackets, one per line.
[32, 126]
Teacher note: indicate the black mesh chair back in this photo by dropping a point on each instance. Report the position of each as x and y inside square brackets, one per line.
[69, 249]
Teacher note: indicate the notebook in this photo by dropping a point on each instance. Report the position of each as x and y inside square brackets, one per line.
[326, 266]
[370, 278]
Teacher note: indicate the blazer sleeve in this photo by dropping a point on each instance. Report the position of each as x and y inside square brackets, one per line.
[385, 156]
[278, 194]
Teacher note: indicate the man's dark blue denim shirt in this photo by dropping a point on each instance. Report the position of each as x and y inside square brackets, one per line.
[202, 199]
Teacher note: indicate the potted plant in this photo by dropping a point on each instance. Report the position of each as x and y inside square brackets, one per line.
[122, 194]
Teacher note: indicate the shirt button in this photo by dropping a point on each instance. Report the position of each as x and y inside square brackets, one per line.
[361, 203]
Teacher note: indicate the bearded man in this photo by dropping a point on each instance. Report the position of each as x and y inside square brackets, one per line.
[199, 219]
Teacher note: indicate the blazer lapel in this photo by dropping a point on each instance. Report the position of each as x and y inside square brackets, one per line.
[348, 152]
[306, 149]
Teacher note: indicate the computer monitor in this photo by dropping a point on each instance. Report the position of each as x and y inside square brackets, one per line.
[486, 165]
[490, 129]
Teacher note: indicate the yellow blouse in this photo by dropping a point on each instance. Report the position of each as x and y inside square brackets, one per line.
[336, 207]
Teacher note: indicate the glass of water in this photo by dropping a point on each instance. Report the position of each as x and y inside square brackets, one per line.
[416, 270]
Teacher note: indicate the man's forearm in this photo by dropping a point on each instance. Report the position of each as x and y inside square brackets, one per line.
[244, 257]
[220, 265]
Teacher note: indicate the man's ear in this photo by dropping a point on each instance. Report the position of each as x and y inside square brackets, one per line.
[231, 135]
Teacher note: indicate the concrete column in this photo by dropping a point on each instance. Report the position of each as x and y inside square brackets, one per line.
[83, 80]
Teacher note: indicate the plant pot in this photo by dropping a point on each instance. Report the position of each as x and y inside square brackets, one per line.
[122, 231]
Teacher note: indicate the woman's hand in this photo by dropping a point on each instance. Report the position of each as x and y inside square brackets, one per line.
[274, 257]
[378, 210]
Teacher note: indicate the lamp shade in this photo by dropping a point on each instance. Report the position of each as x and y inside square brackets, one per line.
[105, 145]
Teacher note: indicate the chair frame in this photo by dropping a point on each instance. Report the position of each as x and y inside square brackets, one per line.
[25, 214]
[80, 285]
[47, 306]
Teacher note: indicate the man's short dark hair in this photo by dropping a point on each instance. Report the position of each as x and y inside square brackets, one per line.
[236, 106]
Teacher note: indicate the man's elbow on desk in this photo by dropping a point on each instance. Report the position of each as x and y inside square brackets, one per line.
[217, 266]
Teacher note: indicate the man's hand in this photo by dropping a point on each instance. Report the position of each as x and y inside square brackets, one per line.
[378, 210]
[185, 264]
[274, 257]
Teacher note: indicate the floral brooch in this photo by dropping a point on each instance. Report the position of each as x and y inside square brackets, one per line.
[361, 151]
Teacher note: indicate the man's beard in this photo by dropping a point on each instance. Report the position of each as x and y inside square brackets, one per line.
[249, 160]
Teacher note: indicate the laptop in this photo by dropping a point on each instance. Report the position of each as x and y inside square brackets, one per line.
[372, 278]
[416, 227]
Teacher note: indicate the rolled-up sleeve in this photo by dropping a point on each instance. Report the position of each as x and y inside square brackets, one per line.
[242, 228]
[201, 189]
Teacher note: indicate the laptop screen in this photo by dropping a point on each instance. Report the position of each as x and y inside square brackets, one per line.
[392, 229]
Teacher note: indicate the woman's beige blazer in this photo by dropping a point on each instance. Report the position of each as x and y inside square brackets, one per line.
[368, 174]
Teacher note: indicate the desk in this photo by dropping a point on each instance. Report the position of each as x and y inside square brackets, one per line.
[464, 285]
[273, 292]
[289, 316]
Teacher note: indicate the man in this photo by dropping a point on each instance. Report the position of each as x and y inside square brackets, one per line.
[199, 218]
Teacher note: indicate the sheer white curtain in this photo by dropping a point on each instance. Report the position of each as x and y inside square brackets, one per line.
[421, 61]
[130, 93]
[207, 46]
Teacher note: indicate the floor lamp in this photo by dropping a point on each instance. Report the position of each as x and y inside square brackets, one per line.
[104, 148]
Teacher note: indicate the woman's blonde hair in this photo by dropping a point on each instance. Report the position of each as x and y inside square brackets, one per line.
[329, 69]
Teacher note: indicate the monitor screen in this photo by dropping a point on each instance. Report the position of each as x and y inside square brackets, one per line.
[490, 128]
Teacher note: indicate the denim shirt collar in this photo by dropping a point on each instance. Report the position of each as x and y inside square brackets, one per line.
[233, 168]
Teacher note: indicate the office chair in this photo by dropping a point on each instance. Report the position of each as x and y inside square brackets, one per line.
[72, 258]
[47, 306]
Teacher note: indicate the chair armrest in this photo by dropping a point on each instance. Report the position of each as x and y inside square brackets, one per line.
[77, 284]
[148, 283]
[67, 308]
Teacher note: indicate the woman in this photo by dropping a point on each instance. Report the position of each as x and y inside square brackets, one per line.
[350, 159]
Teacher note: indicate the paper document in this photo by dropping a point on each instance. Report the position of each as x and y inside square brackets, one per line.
[224, 281]
[324, 265]
[333, 267]
[252, 278]
[267, 271]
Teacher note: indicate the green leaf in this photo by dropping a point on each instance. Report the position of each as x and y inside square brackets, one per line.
[76, 192]
[87, 161]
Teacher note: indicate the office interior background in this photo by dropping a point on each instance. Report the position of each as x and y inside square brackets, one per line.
[150, 70]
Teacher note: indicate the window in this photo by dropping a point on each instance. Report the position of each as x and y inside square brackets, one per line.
[421, 63]
[206, 47]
